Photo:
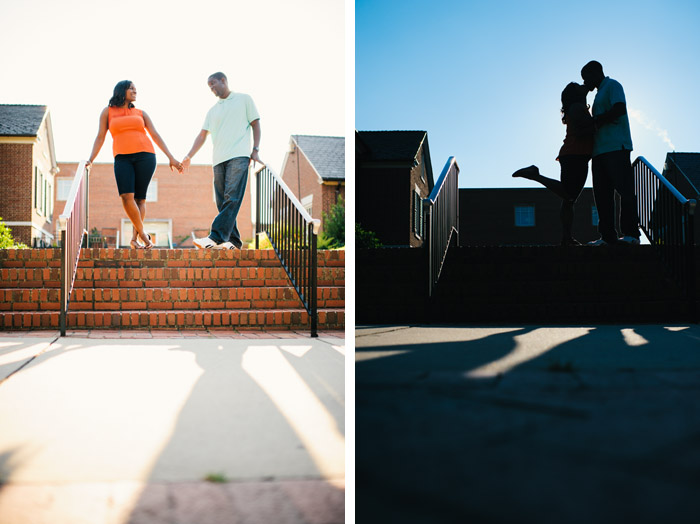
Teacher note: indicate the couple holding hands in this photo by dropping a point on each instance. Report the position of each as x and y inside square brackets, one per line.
[229, 122]
[605, 137]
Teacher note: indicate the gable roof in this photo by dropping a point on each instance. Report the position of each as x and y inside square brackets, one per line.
[326, 154]
[391, 145]
[21, 120]
[689, 164]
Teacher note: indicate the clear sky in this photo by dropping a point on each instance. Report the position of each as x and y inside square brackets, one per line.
[484, 78]
[69, 54]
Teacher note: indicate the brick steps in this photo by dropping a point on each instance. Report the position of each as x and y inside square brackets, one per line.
[114, 299]
[166, 288]
[331, 319]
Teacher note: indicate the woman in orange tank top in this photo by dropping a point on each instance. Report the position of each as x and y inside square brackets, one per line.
[134, 156]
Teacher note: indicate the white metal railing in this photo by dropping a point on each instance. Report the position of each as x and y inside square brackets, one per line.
[442, 219]
[73, 223]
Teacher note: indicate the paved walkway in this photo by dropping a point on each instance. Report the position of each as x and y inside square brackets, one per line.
[528, 424]
[176, 427]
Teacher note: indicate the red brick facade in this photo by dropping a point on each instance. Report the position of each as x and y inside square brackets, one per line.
[26, 191]
[185, 202]
[305, 182]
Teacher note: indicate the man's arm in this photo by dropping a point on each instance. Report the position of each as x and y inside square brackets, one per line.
[617, 110]
[255, 124]
[198, 143]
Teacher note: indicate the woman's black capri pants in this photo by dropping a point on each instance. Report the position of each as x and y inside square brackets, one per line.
[134, 172]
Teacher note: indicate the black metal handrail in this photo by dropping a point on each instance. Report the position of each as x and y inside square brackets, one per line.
[667, 219]
[73, 223]
[442, 219]
[293, 235]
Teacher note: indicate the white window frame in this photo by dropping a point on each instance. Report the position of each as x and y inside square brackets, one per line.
[308, 203]
[63, 186]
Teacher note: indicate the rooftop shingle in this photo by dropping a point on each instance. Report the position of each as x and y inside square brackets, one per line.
[326, 153]
[392, 145]
[20, 120]
[689, 164]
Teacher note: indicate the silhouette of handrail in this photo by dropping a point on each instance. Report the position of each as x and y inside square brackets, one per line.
[442, 219]
[73, 223]
[667, 219]
[293, 234]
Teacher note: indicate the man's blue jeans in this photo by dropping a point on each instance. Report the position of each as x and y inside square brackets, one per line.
[230, 179]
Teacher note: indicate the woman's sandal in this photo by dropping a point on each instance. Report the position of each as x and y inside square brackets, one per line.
[150, 243]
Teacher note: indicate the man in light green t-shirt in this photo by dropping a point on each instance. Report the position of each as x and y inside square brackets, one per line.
[229, 122]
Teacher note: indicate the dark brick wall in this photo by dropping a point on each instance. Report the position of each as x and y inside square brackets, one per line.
[487, 217]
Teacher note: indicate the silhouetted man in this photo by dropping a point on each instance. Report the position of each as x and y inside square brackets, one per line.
[612, 146]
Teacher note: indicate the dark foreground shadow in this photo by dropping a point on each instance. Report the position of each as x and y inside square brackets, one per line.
[603, 426]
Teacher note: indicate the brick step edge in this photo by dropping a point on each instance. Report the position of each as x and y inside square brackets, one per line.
[253, 319]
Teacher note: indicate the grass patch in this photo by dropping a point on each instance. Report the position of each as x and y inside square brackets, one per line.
[216, 478]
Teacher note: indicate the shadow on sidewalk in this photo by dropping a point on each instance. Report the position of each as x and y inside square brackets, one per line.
[580, 425]
[263, 417]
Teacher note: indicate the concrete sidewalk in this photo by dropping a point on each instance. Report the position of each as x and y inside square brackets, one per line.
[528, 424]
[115, 430]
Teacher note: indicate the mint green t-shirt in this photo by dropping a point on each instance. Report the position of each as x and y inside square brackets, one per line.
[229, 124]
[616, 135]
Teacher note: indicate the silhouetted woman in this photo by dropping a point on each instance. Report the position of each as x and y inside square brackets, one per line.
[134, 156]
[573, 157]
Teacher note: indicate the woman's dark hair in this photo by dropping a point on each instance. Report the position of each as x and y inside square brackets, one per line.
[572, 93]
[119, 96]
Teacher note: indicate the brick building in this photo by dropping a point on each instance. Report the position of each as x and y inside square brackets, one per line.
[176, 205]
[683, 171]
[393, 175]
[27, 170]
[314, 169]
[521, 216]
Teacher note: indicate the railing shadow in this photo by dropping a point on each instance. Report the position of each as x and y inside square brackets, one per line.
[516, 426]
[267, 418]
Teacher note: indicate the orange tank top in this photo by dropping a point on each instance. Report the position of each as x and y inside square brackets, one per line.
[128, 131]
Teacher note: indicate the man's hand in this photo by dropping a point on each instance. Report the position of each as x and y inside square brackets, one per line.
[255, 157]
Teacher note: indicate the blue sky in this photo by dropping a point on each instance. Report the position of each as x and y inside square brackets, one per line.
[484, 78]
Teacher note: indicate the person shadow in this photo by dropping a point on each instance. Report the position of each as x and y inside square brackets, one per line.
[261, 460]
[599, 425]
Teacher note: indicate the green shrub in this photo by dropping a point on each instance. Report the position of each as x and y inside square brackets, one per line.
[6, 239]
[334, 224]
[366, 239]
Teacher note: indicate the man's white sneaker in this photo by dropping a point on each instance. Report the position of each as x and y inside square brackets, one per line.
[632, 241]
[225, 245]
[204, 243]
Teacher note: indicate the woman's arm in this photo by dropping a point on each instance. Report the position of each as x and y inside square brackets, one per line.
[160, 143]
[101, 134]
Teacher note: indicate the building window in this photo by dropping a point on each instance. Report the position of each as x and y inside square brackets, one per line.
[36, 187]
[307, 203]
[45, 202]
[524, 216]
[152, 191]
[594, 215]
[49, 205]
[63, 188]
[417, 214]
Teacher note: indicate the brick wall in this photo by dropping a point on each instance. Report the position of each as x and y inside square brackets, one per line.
[16, 172]
[303, 180]
[418, 179]
[187, 199]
